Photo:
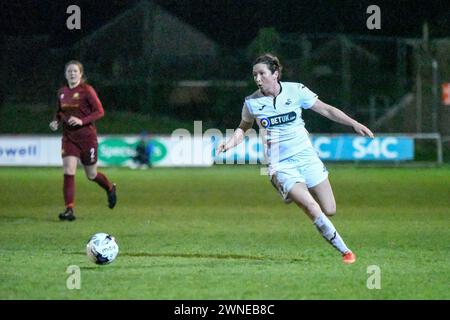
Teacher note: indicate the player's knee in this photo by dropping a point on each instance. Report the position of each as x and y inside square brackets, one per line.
[91, 175]
[70, 170]
[312, 207]
[330, 210]
[330, 213]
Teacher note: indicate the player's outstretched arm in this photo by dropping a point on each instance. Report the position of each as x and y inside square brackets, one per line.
[339, 116]
[237, 138]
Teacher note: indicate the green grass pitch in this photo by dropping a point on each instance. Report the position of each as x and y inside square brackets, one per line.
[224, 233]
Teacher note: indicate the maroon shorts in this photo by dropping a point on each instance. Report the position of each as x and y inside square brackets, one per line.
[86, 150]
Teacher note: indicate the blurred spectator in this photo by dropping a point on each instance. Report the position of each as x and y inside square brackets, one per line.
[144, 149]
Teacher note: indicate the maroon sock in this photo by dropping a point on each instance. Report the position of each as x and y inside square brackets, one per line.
[103, 181]
[69, 190]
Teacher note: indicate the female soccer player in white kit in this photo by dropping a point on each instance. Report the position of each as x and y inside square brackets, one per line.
[294, 166]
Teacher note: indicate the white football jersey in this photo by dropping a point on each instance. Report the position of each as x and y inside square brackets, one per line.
[280, 119]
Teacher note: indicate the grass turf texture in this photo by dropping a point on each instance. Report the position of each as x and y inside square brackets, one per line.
[223, 233]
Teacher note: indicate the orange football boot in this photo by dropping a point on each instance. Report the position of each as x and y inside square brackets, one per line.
[348, 257]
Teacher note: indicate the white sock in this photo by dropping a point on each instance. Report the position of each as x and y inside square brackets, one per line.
[328, 231]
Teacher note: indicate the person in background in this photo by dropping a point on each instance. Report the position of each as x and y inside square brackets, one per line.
[144, 149]
[77, 110]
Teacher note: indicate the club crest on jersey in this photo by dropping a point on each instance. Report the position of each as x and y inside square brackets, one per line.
[61, 96]
[279, 119]
[76, 95]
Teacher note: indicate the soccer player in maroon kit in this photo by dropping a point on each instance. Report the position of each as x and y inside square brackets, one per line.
[78, 108]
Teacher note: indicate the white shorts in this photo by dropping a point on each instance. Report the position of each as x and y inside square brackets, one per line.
[305, 167]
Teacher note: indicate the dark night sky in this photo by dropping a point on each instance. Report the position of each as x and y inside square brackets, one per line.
[235, 23]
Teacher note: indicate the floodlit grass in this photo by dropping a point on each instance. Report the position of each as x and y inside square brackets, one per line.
[223, 233]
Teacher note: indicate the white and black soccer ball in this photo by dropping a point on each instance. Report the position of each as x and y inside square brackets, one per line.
[102, 248]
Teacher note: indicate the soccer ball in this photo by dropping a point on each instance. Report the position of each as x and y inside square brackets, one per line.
[102, 248]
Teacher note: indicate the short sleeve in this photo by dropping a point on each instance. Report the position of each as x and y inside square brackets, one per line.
[246, 115]
[307, 97]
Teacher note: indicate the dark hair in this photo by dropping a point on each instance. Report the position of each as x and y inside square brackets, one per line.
[79, 65]
[272, 63]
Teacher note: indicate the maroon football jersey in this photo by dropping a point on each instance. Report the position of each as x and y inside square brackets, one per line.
[81, 102]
